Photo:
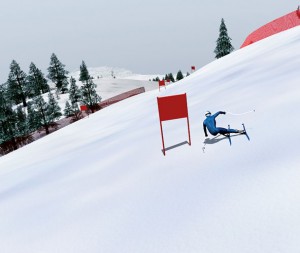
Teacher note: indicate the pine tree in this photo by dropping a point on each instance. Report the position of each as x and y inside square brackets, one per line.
[14, 129]
[58, 74]
[77, 114]
[72, 111]
[46, 113]
[74, 91]
[22, 131]
[16, 84]
[88, 89]
[179, 75]
[68, 112]
[84, 73]
[90, 96]
[37, 83]
[32, 118]
[7, 122]
[171, 77]
[224, 46]
[40, 117]
[53, 110]
[22, 128]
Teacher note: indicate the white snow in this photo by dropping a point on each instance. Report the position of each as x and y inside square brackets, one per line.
[110, 72]
[102, 184]
[107, 85]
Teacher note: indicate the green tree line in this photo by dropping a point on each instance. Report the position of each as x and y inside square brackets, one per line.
[27, 103]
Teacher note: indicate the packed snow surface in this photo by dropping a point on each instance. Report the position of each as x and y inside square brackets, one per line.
[103, 184]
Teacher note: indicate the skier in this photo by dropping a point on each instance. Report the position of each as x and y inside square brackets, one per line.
[210, 124]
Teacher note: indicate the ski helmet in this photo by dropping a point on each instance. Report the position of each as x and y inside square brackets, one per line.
[208, 113]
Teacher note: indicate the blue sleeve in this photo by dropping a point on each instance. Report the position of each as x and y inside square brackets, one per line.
[216, 114]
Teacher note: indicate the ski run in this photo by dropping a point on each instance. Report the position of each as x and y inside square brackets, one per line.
[102, 184]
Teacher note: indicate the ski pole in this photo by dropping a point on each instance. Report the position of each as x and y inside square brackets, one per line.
[237, 114]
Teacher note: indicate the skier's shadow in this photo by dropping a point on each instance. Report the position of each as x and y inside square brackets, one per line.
[216, 139]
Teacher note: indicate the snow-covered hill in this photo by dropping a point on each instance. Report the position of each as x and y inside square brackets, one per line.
[110, 82]
[113, 72]
[102, 184]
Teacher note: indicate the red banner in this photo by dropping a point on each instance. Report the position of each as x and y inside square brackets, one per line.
[278, 25]
[83, 108]
[161, 83]
[170, 108]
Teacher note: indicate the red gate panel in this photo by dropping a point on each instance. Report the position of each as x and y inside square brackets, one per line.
[170, 108]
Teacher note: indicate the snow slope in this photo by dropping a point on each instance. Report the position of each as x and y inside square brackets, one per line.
[102, 184]
[107, 86]
[119, 73]
[110, 87]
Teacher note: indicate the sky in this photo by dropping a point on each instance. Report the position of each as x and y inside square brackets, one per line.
[102, 184]
[146, 37]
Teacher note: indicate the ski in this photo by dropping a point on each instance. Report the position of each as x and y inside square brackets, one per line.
[228, 136]
[246, 132]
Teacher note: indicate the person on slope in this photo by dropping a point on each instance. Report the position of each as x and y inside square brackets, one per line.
[210, 124]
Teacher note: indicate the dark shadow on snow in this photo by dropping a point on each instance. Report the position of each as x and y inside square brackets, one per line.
[176, 146]
[216, 139]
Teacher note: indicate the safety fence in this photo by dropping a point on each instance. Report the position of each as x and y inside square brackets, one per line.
[121, 97]
[278, 25]
[18, 142]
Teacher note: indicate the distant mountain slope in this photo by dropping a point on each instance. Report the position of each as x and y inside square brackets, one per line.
[119, 73]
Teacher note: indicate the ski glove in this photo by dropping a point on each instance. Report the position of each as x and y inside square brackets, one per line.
[222, 112]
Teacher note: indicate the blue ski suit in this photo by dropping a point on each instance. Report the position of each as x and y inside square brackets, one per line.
[210, 124]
